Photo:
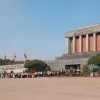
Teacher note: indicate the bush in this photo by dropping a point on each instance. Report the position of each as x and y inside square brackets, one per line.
[85, 69]
[71, 71]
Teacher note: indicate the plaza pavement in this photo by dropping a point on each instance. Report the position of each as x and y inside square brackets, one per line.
[50, 89]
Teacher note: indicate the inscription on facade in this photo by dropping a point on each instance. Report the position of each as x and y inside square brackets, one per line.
[83, 31]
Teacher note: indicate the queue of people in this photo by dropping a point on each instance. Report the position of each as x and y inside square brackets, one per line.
[12, 75]
[43, 74]
[46, 74]
[30, 75]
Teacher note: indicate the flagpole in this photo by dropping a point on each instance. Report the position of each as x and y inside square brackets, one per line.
[14, 58]
[14, 61]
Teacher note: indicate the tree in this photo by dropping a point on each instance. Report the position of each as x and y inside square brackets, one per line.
[10, 62]
[36, 65]
[94, 60]
[1, 61]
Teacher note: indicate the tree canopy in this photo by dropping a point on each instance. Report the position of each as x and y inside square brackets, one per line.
[94, 60]
[36, 65]
[10, 62]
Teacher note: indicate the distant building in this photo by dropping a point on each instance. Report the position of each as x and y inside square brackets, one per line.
[17, 68]
[81, 43]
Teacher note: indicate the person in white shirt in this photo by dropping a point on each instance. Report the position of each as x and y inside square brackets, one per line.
[35, 74]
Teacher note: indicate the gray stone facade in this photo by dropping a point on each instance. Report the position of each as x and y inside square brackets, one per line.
[69, 59]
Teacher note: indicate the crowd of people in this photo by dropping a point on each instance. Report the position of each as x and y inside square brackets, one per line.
[31, 75]
[12, 75]
[47, 73]
[40, 74]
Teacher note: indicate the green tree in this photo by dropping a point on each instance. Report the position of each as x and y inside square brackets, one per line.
[1, 61]
[94, 63]
[35, 65]
[94, 60]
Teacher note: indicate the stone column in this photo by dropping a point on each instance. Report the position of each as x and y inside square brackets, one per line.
[73, 44]
[80, 43]
[94, 43]
[87, 42]
[67, 45]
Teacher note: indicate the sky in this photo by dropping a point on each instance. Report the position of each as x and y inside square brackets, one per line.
[37, 27]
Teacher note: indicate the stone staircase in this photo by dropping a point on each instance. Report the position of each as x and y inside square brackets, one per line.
[77, 55]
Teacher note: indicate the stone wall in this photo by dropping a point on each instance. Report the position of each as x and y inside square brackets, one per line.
[70, 59]
[60, 64]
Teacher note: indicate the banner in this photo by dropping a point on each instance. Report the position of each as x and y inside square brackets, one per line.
[16, 66]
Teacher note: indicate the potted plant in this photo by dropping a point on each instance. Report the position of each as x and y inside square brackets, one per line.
[85, 70]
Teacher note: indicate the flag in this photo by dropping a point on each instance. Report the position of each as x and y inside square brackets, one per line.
[5, 57]
[25, 55]
[14, 56]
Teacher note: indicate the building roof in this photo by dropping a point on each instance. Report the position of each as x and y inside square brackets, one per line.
[83, 30]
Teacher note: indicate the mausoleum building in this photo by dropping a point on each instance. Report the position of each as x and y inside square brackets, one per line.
[81, 43]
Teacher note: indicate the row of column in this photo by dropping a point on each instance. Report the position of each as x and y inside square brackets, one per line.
[80, 43]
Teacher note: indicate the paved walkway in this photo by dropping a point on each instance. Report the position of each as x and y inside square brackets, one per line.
[50, 89]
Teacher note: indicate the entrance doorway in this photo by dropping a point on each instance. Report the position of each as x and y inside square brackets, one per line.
[76, 67]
